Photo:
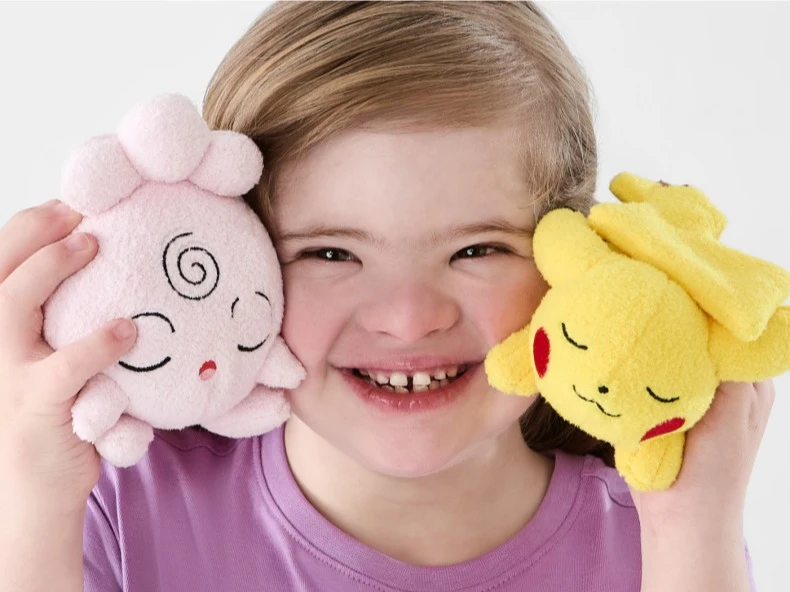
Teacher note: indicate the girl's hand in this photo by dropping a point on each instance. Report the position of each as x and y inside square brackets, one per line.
[698, 521]
[42, 463]
[717, 461]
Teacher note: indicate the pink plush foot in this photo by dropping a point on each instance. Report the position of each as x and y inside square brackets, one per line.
[126, 442]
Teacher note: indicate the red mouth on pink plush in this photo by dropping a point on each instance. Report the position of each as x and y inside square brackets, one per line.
[207, 370]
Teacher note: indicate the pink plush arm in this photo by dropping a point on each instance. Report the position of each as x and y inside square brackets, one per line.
[281, 369]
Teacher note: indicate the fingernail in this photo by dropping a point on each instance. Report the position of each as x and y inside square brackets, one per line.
[123, 329]
[63, 209]
[77, 242]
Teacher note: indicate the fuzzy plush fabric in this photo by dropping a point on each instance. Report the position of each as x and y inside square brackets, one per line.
[647, 313]
[182, 255]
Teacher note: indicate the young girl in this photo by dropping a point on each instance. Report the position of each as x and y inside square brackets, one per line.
[410, 149]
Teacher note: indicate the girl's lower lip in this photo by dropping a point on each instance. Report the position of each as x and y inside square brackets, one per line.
[410, 402]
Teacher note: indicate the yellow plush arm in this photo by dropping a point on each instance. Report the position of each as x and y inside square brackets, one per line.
[565, 246]
[509, 365]
[749, 361]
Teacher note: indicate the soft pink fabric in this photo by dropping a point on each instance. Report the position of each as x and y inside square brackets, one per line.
[190, 262]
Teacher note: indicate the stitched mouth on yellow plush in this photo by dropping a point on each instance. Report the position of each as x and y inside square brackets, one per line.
[596, 403]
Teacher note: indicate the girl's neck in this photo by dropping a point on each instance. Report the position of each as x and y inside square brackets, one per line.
[442, 519]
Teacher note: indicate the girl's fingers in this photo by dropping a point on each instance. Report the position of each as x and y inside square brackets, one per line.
[27, 288]
[65, 372]
[32, 229]
[34, 281]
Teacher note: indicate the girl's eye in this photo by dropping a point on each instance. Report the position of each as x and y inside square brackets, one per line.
[329, 254]
[477, 251]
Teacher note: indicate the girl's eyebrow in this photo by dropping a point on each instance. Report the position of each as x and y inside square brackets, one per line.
[493, 225]
[323, 231]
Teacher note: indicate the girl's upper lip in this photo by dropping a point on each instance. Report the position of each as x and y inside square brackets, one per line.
[399, 363]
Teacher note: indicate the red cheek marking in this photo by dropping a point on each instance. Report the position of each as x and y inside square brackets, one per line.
[669, 425]
[541, 349]
[207, 370]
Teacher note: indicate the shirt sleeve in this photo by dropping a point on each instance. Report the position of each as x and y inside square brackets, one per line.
[101, 554]
[752, 585]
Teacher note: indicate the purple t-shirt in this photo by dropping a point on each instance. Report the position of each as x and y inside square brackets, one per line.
[205, 513]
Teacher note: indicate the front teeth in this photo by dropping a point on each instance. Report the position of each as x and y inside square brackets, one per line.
[400, 382]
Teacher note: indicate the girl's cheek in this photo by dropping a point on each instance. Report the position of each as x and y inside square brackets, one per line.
[312, 321]
[515, 303]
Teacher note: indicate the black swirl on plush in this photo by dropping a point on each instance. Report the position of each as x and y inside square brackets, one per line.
[191, 271]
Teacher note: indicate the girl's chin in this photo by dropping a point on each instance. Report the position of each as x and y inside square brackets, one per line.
[413, 461]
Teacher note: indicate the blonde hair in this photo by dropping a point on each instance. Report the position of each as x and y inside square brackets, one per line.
[305, 71]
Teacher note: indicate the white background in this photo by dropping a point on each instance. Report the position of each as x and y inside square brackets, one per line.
[688, 92]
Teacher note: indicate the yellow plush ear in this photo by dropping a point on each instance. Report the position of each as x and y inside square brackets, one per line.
[509, 365]
[750, 361]
[682, 206]
[565, 246]
[740, 291]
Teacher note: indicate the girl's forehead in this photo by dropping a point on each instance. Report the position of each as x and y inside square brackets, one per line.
[405, 177]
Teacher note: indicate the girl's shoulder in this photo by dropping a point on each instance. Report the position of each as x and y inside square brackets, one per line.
[588, 475]
[606, 479]
[193, 438]
[192, 457]
[193, 514]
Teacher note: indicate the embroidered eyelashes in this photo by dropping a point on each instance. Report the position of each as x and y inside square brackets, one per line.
[191, 271]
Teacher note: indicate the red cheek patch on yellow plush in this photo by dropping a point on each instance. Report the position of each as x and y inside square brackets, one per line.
[541, 349]
[666, 427]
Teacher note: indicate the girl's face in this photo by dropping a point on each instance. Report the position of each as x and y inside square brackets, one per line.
[406, 257]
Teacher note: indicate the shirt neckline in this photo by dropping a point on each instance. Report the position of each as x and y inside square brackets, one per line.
[317, 535]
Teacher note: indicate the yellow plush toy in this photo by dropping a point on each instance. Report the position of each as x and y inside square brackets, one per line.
[647, 312]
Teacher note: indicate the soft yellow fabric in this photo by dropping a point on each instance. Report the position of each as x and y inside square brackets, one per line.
[646, 314]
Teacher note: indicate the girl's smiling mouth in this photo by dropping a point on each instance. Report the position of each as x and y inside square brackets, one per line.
[412, 382]
[411, 391]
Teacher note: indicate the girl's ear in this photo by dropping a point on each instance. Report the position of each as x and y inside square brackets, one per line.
[231, 166]
[766, 357]
[98, 176]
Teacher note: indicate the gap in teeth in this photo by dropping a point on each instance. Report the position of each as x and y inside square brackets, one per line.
[400, 382]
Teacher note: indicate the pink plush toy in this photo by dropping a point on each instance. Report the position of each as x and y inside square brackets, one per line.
[185, 257]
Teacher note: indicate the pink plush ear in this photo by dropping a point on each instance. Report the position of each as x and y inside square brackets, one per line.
[98, 176]
[231, 166]
[165, 138]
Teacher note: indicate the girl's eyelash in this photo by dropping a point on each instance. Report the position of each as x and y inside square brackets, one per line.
[480, 251]
[328, 254]
[332, 254]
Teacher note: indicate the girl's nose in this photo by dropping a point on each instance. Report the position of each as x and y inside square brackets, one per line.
[409, 312]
